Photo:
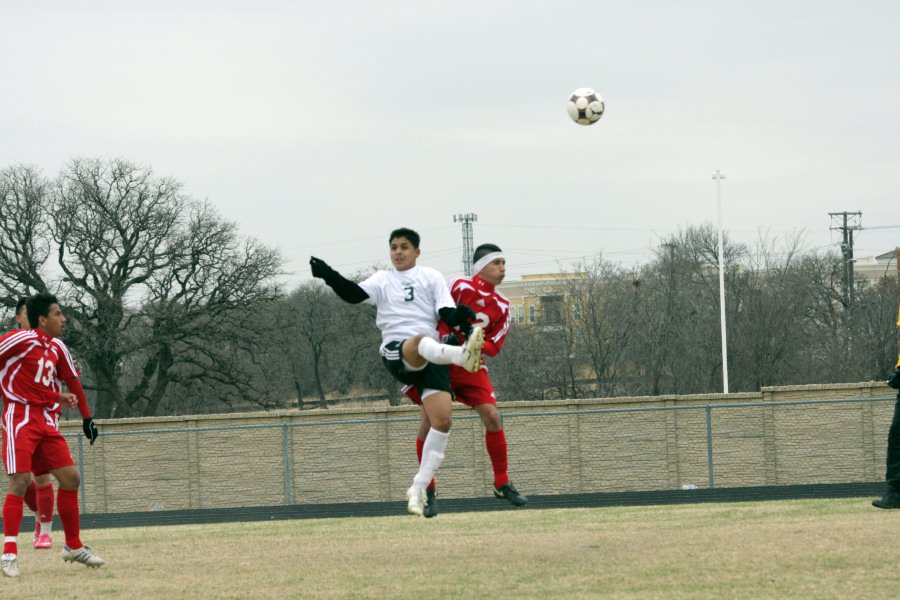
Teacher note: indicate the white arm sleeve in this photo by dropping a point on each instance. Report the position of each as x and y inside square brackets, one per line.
[373, 286]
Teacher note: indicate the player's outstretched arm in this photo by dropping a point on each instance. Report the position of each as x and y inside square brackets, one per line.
[346, 290]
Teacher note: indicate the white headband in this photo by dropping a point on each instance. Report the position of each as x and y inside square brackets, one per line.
[485, 261]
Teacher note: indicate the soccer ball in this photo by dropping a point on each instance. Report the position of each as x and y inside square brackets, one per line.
[585, 106]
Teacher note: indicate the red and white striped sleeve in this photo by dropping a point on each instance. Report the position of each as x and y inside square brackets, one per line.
[495, 333]
[65, 366]
[12, 338]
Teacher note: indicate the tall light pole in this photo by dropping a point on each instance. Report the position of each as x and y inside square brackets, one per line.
[468, 240]
[719, 176]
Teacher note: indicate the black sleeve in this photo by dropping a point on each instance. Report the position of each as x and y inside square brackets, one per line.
[346, 290]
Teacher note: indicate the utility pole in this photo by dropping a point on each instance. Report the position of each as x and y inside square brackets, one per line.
[468, 240]
[719, 176]
[847, 222]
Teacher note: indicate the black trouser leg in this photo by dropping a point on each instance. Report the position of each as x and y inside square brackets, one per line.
[892, 475]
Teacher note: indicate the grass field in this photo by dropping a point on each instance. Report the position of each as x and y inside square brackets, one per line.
[839, 548]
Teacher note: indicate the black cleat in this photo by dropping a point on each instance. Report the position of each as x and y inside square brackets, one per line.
[509, 492]
[891, 499]
[430, 504]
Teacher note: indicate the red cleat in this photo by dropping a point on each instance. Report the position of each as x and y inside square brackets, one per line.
[43, 541]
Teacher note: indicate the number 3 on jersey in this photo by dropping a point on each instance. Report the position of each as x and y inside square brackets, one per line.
[410, 293]
[47, 375]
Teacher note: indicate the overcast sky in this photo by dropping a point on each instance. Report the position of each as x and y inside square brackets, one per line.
[321, 126]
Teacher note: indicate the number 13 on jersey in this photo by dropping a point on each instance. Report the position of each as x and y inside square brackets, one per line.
[46, 372]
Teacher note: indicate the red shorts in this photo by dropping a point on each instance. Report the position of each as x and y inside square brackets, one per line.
[32, 441]
[471, 389]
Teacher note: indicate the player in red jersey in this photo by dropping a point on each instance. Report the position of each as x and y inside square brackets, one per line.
[474, 389]
[32, 363]
[39, 494]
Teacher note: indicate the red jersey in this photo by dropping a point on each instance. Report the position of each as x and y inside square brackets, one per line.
[491, 310]
[31, 366]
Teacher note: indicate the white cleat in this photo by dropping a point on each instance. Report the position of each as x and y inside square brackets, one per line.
[82, 555]
[9, 564]
[471, 354]
[415, 501]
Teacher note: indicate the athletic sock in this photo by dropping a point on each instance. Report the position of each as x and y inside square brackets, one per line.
[45, 507]
[67, 509]
[13, 507]
[439, 354]
[432, 457]
[31, 496]
[495, 442]
[420, 444]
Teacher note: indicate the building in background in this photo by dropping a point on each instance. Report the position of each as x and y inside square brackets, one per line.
[540, 298]
[872, 269]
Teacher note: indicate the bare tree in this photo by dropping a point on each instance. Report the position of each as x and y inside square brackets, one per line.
[25, 236]
[768, 337]
[327, 337]
[154, 283]
[676, 346]
[531, 365]
[602, 316]
[872, 330]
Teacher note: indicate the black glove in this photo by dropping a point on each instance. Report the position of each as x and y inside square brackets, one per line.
[320, 268]
[90, 429]
[459, 315]
[451, 340]
[894, 379]
[466, 329]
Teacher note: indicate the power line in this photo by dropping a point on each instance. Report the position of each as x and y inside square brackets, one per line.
[848, 223]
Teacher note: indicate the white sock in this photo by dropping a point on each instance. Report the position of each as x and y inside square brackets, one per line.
[432, 457]
[46, 527]
[439, 354]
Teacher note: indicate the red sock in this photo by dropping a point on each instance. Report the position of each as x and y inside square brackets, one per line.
[495, 442]
[31, 496]
[13, 508]
[420, 444]
[45, 503]
[67, 509]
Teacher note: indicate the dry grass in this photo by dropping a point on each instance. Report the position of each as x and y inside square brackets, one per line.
[798, 549]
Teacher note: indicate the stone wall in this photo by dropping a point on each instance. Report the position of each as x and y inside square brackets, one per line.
[596, 445]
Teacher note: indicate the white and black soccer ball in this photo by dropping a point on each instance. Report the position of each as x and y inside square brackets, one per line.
[585, 106]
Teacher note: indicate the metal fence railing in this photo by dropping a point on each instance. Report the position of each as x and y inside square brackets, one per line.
[545, 417]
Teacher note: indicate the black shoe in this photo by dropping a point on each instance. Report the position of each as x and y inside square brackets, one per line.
[430, 504]
[891, 499]
[509, 492]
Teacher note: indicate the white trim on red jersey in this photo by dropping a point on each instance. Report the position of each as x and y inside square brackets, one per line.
[20, 381]
[67, 356]
[16, 337]
[495, 329]
[24, 336]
